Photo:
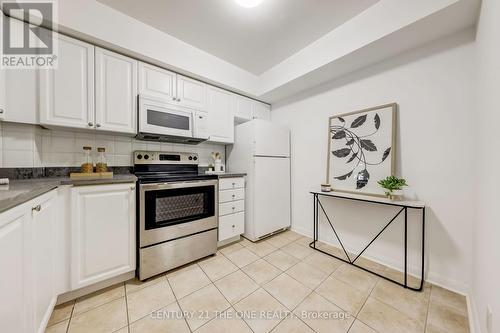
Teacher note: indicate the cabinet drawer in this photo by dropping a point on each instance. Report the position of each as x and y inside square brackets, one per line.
[231, 207]
[230, 183]
[231, 195]
[231, 225]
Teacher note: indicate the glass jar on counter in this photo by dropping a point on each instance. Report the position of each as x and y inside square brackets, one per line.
[102, 164]
[87, 166]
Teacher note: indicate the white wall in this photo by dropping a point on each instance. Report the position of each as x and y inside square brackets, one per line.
[486, 270]
[31, 146]
[436, 148]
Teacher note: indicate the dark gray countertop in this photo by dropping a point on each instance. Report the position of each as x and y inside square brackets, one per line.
[21, 191]
[232, 174]
[228, 174]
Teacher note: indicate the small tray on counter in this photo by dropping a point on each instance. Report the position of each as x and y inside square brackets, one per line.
[90, 176]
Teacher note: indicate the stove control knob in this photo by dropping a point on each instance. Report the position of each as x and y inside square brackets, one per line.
[146, 157]
[139, 157]
[195, 158]
[190, 158]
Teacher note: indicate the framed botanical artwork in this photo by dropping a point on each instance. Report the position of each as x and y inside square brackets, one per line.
[361, 149]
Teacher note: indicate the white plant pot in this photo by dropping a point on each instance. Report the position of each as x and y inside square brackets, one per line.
[396, 195]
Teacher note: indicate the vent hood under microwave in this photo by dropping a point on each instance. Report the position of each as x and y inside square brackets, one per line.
[159, 120]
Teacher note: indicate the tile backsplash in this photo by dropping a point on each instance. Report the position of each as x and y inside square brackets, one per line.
[23, 146]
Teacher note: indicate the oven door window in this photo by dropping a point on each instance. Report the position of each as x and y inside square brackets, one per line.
[178, 205]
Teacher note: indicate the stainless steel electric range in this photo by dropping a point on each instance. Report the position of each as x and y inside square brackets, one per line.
[176, 212]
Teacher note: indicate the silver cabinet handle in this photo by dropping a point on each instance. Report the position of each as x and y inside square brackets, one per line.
[234, 208]
[1, 111]
[91, 124]
[233, 225]
[37, 208]
[234, 195]
[97, 125]
[178, 99]
[174, 99]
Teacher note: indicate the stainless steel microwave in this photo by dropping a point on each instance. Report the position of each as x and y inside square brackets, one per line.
[161, 121]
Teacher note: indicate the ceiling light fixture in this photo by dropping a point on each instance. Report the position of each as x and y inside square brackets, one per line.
[248, 3]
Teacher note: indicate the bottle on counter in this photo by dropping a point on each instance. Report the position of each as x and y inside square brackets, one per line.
[87, 166]
[102, 165]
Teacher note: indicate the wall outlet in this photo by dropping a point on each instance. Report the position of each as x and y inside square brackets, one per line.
[489, 320]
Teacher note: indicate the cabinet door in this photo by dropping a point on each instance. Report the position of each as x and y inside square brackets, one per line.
[261, 111]
[116, 92]
[191, 93]
[67, 93]
[21, 96]
[42, 277]
[243, 108]
[3, 88]
[157, 82]
[14, 312]
[221, 115]
[102, 232]
[20, 88]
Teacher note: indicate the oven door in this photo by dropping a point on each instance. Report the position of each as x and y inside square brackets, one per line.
[163, 119]
[169, 211]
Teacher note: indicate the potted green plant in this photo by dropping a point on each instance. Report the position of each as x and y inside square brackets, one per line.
[393, 186]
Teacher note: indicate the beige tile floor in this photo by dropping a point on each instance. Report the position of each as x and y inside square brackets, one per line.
[278, 285]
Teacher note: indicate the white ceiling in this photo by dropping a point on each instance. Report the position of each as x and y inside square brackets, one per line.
[253, 39]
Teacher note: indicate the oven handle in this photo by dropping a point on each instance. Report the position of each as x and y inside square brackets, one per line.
[174, 185]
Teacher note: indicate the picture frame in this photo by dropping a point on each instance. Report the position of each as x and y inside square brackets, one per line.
[362, 149]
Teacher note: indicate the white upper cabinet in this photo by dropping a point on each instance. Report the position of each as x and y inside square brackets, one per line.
[221, 115]
[243, 108]
[67, 93]
[19, 91]
[171, 87]
[157, 82]
[261, 111]
[102, 233]
[21, 96]
[116, 92]
[247, 109]
[191, 93]
[3, 103]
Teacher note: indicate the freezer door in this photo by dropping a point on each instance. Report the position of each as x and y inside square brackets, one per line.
[271, 195]
[271, 139]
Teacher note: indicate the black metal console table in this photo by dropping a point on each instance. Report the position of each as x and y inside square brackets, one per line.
[403, 205]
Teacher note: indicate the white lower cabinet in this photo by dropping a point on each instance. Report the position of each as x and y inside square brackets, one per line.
[42, 242]
[100, 245]
[102, 232]
[231, 208]
[27, 255]
[13, 260]
[231, 226]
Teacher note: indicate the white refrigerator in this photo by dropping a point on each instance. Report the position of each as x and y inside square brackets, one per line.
[262, 151]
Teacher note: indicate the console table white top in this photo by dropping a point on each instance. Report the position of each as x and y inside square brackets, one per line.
[371, 198]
